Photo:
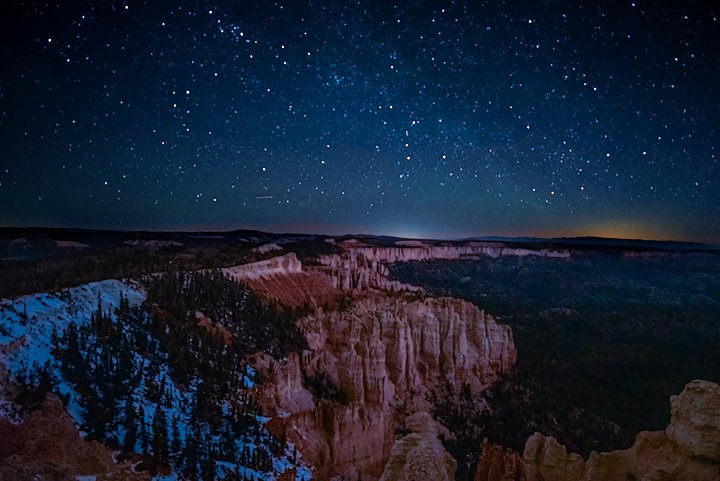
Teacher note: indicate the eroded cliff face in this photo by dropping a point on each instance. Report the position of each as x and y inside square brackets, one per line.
[388, 356]
[284, 279]
[469, 249]
[386, 348]
[688, 450]
[384, 354]
[353, 272]
[363, 267]
[280, 265]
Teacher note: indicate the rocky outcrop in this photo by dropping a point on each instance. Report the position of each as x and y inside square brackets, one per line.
[689, 449]
[695, 420]
[499, 464]
[47, 445]
[214, 328]
[357, 269]
[546, 459]
[267, 248]
[420, 455]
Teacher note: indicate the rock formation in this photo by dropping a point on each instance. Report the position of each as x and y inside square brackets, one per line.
[420, 455]
[546, 459]
[387, 356]
[382, 356]
[695, 420]
[499, 464]
[353, 272]
[47, 445]
[283, 279]
[384, 347]
[469, 249]
[280, 265]
[361, 267]
[688, 450]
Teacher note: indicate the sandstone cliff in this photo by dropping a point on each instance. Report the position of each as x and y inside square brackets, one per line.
[354, 272]
[280, 265]
[283, 279]
[388, 356]
[469, 249]
[695, 420]
[362, 267]
[386, 348]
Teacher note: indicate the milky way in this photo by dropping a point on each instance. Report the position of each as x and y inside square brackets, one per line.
[420, 119]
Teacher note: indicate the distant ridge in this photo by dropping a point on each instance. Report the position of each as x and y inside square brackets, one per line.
[113, 234]
[593, 241]
[105, 236]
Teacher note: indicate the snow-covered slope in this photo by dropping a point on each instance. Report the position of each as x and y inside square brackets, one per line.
[28, 322]
[36, 335]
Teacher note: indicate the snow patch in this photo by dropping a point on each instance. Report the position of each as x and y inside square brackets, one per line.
[285, 264]
[70, 244]
[266, 248]
[28, 323]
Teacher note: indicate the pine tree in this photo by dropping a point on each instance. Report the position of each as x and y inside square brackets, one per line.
[207, 469]
[176, 444]
[142, 432]
[190, 453]
[130, 429]
[71, 359]
[160, 441]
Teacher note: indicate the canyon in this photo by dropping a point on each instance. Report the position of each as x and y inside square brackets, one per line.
[357, 400]
[393, 349]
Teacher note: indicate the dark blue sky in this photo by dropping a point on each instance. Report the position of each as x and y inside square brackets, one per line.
[420, 119]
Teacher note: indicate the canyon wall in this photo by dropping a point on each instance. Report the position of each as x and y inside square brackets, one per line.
[387, 356]
[353, 272]
[469, 249]
[363, 267]
[404, 347]
[284, 279]
[384, 354]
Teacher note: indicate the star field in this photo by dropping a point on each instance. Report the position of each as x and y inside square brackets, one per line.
[438, 119]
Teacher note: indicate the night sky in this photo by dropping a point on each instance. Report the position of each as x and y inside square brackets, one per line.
[421, 119]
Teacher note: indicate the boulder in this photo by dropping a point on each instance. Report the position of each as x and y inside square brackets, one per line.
[695, 420]
[420, 455]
